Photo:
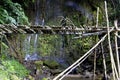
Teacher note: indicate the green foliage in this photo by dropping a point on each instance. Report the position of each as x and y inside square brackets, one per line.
[4, 50]
[12, 13]
[5, 18]
[11, 69]
[47, 43]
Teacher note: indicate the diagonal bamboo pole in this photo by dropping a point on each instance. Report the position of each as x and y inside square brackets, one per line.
[74, 66]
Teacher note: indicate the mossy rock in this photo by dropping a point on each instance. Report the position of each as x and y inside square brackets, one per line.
[38, 63]
[51, 64]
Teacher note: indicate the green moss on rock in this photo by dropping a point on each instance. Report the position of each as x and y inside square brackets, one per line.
[51, 64]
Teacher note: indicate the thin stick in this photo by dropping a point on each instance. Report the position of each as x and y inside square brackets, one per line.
[116, 47]
[104, 61]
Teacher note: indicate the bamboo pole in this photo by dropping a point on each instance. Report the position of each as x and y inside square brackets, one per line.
[109, 42]
[104, 61]
[116, 47]
[95, 43]
[110, 48]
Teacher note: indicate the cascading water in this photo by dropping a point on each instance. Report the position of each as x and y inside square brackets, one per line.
[32, 39]
[35, 42]
[27, 44]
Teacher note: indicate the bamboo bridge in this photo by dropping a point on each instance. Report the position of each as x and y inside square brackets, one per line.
[38, 29]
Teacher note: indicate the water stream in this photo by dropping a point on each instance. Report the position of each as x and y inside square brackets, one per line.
[32, 39]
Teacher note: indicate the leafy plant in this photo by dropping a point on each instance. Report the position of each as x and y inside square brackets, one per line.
[12, 69]
[12, 13]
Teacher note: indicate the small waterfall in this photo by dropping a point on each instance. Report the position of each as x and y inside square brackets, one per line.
[27, 44]
[35, 42]
[31, 44]
[32, 40]
[38, 21]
